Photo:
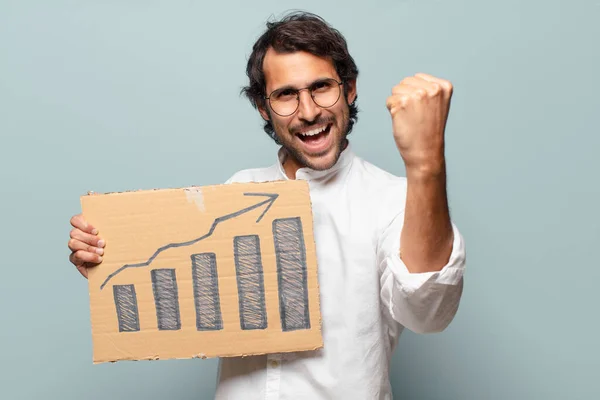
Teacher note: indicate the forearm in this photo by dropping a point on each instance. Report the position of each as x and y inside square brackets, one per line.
[427, 236]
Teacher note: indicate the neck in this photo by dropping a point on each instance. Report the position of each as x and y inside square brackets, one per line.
[291, 164]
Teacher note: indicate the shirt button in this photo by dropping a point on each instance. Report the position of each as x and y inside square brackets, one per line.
[274, 363]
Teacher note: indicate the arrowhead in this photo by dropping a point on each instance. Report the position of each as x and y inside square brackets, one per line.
[269, 202]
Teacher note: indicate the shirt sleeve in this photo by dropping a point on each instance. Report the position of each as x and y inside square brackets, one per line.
[232, 179]
[422, 302]
[238, 177]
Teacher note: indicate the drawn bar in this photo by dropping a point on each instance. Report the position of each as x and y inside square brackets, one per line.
[166, 298]
[206, 292]
[251, 290]
[127, 308]
[290, 253]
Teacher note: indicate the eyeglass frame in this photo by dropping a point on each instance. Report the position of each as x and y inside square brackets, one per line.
[268, 98]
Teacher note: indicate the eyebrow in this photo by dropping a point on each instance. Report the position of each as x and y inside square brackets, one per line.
[296, 88]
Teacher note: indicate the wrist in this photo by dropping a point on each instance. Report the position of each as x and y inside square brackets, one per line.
[432, 168]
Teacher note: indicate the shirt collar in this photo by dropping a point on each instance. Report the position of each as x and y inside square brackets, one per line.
[308, 174]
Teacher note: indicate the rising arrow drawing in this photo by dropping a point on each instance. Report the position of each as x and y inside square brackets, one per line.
[269, 202]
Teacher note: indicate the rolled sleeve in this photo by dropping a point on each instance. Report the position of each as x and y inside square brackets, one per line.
[422, 302]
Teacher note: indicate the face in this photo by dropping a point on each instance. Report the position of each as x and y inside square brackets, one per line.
[313, 135]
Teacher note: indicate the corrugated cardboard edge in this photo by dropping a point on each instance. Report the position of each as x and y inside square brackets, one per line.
[192, 187]
[202, 355]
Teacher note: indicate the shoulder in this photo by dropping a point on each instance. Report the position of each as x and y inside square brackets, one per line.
[380, 191]
[376, 179]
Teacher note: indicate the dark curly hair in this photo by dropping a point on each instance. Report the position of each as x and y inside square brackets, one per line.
[299, 31]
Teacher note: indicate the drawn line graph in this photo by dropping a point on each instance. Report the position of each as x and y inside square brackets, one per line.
[269, 202]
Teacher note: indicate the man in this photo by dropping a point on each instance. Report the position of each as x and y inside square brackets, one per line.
[389, 257]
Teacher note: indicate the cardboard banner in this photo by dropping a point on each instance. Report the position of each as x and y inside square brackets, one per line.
[213, 271]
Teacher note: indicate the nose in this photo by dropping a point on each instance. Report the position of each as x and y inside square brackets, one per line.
[308, 110]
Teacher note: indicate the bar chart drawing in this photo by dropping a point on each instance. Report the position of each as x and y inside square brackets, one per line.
[290, 253]
[206, 292]
[166, 299]
[127, 308]
[250, 281]
[291, 268]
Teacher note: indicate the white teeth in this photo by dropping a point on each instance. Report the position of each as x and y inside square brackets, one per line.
[314, 131]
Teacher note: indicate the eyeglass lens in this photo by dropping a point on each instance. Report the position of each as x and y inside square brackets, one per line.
[285, 101]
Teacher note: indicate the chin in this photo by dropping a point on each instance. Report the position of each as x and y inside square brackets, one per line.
[323, 161]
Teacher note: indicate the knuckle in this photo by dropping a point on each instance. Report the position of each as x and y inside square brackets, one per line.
[436, 88]
[75, 259]
[73, 233]
[420, 93]
[389, 103]
[445, 85]
[72, 244]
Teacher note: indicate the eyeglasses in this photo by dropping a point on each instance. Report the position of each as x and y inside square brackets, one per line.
[324, 92]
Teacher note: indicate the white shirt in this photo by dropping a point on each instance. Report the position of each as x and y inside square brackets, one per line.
[367, 295]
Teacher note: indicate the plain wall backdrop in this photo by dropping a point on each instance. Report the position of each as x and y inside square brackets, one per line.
[125, 95]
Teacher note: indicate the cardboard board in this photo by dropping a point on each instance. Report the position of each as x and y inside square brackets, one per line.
[213, 271]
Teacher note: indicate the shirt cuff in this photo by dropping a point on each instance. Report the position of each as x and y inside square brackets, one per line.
[450, 274]
[425, 301]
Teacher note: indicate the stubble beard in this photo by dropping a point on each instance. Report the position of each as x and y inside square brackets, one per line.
[339, 144]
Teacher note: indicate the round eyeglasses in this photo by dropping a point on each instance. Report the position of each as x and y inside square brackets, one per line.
[324, 92]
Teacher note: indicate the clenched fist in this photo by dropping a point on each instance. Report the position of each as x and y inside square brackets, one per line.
[419, 107]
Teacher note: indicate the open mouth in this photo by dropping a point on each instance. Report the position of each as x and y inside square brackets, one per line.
[316, 138]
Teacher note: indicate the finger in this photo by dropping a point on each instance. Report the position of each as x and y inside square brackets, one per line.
[79, 222]
[398, 101]
[87, 238]
[403, 93]
[403, 89]
[429, 77]
[432, 88]
[76, 245]
[444, 84]
[82, 257]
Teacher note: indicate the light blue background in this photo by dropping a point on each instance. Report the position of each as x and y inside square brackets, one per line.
[120, 95]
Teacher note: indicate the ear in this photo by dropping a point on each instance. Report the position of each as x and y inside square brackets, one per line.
[351, 92]
[264, 113]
